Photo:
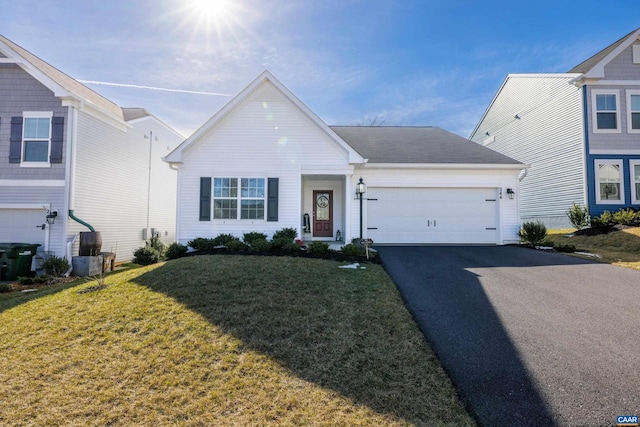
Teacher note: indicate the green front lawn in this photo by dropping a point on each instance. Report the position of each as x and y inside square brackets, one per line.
[221, 340]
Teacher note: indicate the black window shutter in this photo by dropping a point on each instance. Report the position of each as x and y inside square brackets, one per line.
[205, 199]
[15, 140]
[57, 133]
[272, 199]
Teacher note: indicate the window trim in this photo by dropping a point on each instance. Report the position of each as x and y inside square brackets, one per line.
[239, 198]
[36, 115]
[629, 93]
[620, 164]
[594, 110]
[632, 178]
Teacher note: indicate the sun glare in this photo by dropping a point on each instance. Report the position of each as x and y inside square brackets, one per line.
[211, 9]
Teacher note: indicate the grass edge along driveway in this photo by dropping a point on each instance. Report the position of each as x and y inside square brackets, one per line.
[221, 340]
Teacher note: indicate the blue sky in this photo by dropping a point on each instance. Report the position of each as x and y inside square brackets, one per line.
[431, 63]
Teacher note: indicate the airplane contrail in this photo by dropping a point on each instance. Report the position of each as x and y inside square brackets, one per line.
[164, 89]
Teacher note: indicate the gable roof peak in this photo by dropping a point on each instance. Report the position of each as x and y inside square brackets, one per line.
[594, 66]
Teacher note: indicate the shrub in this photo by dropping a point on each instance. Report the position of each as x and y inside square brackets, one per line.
[260, 246]
[320, 248]
[351, 250]
[625, 217]
[565, 248]
[201, 244]
[603, 220]
[5, 287]
[533, 232]
[249, 238]
[284, 244]
[38, 280]
[290, 248]
[578, 216]
[176, 250]
[55, 266]
[235, 245]
[285, 233]
[147, 255]
[224, 239]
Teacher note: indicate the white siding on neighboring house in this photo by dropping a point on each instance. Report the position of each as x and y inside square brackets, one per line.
[111, 184]
[537, 120]
[446, 178]
[270, 138]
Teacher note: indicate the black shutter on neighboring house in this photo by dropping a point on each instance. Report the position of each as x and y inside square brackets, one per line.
[57, 133]
[272, 199]
[15, 140]
[205, 199]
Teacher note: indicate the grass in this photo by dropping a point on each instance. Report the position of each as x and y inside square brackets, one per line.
[222, 340]
[620, 248]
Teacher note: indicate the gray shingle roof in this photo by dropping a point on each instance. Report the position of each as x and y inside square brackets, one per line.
[585, 66]
[404, 144]
[67, 82]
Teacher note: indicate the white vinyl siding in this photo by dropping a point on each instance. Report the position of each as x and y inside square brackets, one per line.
[111, 183]
[609, 183]
[270, 137]
[552, 143]
[634, 174]
[605, 105]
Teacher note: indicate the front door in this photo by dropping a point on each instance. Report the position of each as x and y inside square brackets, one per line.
[323, 213]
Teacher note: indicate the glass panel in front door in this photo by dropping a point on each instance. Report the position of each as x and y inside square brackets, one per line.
[322, 206]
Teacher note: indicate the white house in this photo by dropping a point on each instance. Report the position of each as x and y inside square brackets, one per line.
[579, 131]
[66, 151]
[265, 161]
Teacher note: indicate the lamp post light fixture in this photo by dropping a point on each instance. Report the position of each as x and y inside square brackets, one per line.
[361, 188]
[51, 217]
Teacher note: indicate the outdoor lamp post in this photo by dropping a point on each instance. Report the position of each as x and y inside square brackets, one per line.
[361, 188]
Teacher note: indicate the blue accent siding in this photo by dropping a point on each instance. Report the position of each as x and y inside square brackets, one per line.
[591, 194]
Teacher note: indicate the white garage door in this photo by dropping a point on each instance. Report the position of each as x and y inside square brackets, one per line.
[432, 215]
[22, 226]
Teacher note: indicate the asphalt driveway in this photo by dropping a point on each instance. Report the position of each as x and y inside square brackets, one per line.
[529, 338]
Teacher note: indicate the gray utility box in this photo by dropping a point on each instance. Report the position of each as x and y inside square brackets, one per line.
[87, 265]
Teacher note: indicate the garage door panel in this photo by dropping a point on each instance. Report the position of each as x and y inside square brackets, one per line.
[432, 215]
[20, 225]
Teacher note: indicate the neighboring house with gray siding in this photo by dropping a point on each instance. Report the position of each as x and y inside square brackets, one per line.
[63, 148]
[579, 131]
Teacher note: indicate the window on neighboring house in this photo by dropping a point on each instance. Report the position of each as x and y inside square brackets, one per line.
[36, 136]
[633, 111]
[247, 203]
[635, 181]
[606, 115]
[609, 181]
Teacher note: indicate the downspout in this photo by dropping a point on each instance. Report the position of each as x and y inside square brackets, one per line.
[76, 219]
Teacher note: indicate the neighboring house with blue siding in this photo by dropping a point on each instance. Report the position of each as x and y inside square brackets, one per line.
[64, 147]
[579, 131]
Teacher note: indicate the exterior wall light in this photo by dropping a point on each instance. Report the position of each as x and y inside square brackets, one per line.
[51, 217]
[510, 193]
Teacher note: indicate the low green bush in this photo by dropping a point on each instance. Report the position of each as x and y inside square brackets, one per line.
[533, 232]
[235, 245]
[626, 217]
[147, 255]
[352, 250]
[55, 266]
[223, 239]
[578, 216]
[286, 233]
[606, 219]
[253, 236]
[176, 250]
[5, 287]
[38, 280]
[260, 246]
[319, 248]
[565, 248]
[201, 244]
